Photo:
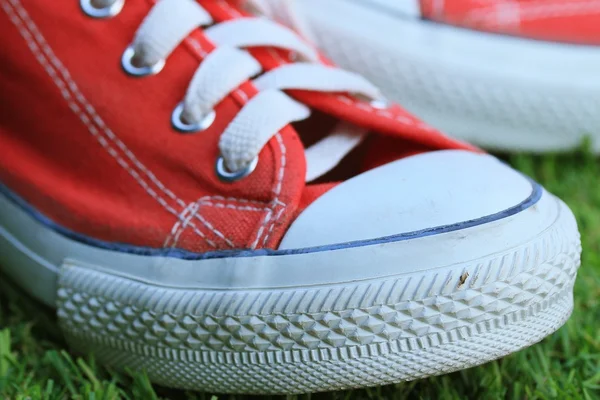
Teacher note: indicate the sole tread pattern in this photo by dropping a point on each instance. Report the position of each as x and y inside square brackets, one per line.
[352, 334]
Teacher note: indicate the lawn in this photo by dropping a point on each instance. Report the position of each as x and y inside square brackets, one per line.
[34, 362]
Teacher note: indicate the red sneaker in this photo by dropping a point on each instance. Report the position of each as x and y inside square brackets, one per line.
[505, 74]
[155, 191]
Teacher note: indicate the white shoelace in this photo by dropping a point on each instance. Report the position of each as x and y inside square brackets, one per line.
[227, 67]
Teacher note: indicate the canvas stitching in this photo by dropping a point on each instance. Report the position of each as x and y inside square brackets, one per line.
[87, 106]
[223, 198]
[175, 226]
[211, 227]
[96, 118]
[281, 210]
[110, 134]
[197, 46]
[278, 186]
[407, 121]
[194, 207]
[191, 209]
[261, 228]
[244, 98]
[230, 206]
[280, 174]
[174, 230]
[208, 201]
[29, 32]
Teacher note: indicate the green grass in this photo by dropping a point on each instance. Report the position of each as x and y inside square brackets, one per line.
[34, 363]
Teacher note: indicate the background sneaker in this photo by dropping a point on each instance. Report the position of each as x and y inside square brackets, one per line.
[508, 75]
[162, 206]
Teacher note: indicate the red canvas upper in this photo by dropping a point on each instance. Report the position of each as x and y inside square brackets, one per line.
[572, 21]
[93, 149]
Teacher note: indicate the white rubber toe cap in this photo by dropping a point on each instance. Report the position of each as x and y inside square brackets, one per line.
[420, 192]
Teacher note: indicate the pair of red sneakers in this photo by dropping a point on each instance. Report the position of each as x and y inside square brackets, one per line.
[201, 194]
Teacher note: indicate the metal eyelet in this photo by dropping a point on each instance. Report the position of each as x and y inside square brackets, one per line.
[227, 176]
[380, 104]
[108, 11]
[181, 126]
[127, 64]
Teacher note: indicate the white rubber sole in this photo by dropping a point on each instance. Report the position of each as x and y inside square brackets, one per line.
[495, 91]
[255, 324]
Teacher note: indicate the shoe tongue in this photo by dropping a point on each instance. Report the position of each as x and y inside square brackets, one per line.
[392, 121]
[336, 143]
[327, 142]
[315, 128]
